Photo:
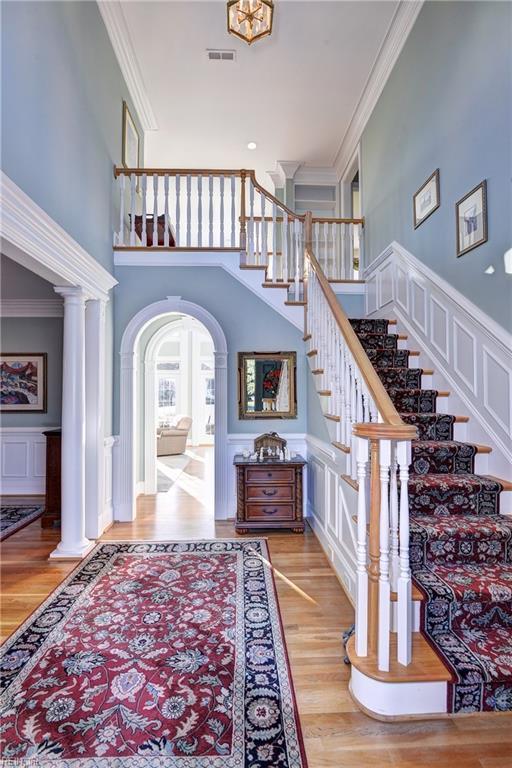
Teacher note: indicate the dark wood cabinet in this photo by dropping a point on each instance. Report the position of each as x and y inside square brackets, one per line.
[51, 515]
[269, 494]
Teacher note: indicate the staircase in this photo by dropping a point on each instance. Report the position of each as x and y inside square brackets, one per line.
[460, 545]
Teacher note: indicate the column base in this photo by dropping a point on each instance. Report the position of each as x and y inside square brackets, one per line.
[78, 552]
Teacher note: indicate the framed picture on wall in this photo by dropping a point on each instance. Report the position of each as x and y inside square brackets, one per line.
[131, 140]
[471, 219]
[23, 386]
[427, 199]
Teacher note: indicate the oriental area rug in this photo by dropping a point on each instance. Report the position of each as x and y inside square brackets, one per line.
[13, 518]
[154, 654]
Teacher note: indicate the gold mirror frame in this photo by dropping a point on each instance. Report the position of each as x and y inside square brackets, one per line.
[291, 358]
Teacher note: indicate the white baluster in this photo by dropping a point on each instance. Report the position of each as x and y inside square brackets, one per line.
[335, 252]
[343, 247]
[351, 248]
[264, 247]
[166, 211]
[154, 240]
[144, 211]
[119, 240]
[297, 258]
[233, 212]
[133, 187]
[384, 584]
[316, 228]
[257, 259]
[325, 262]
[178, 211]
[285, 245]
[199, 211]
[359, 417]
[210, 211]
[222, 211]
[273, 257]
[189, 211]
[393, 514]
[404, 604]
[251, 255]
[361, 628]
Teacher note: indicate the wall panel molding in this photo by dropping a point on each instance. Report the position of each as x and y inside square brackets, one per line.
[23, 460]
[466, 347]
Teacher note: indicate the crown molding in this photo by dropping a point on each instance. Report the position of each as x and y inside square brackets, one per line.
[117, 29]
[29, 234]
[398, 32]
[31, 308]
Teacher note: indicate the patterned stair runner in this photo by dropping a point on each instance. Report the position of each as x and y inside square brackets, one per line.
[461, 547]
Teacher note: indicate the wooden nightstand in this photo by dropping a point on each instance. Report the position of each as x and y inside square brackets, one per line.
[269, 494]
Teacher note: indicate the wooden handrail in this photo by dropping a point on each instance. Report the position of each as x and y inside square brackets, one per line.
[269, 196]
[334, 220]
[376, 389]
[121, 171]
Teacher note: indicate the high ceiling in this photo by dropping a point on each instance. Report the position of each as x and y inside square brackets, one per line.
[293, 93]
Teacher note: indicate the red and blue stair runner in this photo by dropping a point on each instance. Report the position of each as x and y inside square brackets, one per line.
[460, 545]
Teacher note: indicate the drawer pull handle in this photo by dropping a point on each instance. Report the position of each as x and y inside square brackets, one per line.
[270, 493]
[269, 474]
[271, 511]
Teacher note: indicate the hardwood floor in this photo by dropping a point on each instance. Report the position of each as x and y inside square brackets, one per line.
[315, 611]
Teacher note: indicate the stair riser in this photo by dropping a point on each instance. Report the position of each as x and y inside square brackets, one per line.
[402, 378]
[452, 502]
[440, 459]
[405, 401]
[492, 551]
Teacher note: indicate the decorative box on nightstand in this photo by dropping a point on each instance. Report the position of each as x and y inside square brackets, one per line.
[269, 494]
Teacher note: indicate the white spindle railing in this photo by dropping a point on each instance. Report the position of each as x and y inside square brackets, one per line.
[178, 208]
[378, 448]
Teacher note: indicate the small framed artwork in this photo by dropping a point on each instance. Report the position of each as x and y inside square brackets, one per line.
[131, 140]
[427, 199]
[23, 382]
[471, 218]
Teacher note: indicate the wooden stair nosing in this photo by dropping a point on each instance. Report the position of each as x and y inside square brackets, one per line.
[253, 266]
[425, 667]
[295, 303]
[507, 484]
[276, 285]
[353, 483]
[317, 371]
[332, 417]
[324, 392]
[307, 337]
[341, 446]
[312, 353]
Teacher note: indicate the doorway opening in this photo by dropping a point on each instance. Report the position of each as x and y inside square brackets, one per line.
[180, 372]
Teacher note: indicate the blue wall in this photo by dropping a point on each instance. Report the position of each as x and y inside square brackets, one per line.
[62, 93]
[249, 324]
[446, 105]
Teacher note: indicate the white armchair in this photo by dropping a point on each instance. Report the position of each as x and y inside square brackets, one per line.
[173, 440]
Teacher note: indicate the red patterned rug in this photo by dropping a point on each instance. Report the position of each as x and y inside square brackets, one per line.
[461, 547]
[154, 654]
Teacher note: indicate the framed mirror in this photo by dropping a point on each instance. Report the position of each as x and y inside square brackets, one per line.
[267, 385]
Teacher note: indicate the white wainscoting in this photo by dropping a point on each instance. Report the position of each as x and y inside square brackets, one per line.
[23, 460]
[331, 503]
[470, 353]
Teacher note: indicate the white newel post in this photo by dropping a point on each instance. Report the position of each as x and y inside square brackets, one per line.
[404, 579]
[73, 543]
[94, 417]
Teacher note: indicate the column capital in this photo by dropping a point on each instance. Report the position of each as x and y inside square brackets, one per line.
[71, 293]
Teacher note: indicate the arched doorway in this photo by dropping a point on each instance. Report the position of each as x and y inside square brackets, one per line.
[125, 465]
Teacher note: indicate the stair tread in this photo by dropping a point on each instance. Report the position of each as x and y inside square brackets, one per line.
[341, 446]
[470, 482]
[506, 484]
[451, 444]
[470, 582]
[461, 526]
[483, 645]
[426, 666]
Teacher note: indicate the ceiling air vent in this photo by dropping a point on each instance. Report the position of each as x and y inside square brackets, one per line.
[218, 55]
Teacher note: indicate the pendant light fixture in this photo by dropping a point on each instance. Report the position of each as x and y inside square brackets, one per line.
[250, 20]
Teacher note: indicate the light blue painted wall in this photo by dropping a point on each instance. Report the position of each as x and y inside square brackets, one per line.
[61, 104]
[316, 424]
[353, 304]
[248, 323]
[42, 334]
[446, 105]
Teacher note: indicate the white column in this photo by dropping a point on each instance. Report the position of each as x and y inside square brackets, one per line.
[94, 417]
[73, 543]
[150, 425]
[224, 490]
[125, 457]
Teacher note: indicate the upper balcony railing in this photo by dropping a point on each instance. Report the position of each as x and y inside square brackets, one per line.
[228, 210]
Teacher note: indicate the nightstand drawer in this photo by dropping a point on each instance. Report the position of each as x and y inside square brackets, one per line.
[270, 475]
[270, 512]
[269, 493]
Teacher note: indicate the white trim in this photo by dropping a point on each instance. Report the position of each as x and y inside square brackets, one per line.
[119, 34]
[125, 455]
[489, 340]
[403, 21]
[31, 308]
[23, 460]
[35, 240]
[395, 699]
